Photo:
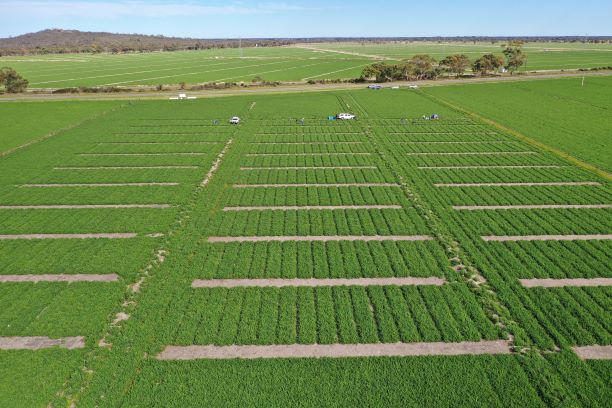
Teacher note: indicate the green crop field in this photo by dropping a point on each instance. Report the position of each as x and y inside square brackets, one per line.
[384, 261]
[290, 63]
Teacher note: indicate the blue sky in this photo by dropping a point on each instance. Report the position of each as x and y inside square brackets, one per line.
[312, 18]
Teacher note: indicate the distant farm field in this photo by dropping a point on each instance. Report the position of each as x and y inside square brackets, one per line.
[158, 256]
[292, 63]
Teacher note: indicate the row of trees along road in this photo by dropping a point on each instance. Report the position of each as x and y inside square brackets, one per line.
[423, 66]
[12, 81]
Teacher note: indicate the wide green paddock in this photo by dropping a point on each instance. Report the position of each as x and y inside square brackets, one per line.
[152, 254]
[320, 61]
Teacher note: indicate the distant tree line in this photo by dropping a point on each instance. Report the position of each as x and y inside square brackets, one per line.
[423, 66]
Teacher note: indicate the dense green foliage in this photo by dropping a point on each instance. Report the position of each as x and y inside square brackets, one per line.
[560, 113]
[389, 143]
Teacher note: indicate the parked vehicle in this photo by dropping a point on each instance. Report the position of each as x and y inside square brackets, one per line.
[374, 86]
[235, 120]
[345, 116]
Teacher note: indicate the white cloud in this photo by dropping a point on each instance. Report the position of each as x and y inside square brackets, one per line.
[133, 8]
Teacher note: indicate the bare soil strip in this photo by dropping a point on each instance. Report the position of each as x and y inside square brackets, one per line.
[334, 350]
[528, 206]
[322, 238]
[40, 342]
[156, 143]
[557, 183]
[79, 277]
[491, 167]
[279, 283]
[310, 168]
[124, 167]
[117, 235]
[467, 153]
[316, 185]
[504, 238]
[313, 207]
[594, 352]
[99, 185]
[307, 154]
[455, 142]
[80, 206]
[560, 283]
[145, 154]
[303, 143]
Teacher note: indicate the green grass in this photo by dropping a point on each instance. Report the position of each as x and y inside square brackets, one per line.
[167, 311]
[560, 113]
[26, 122]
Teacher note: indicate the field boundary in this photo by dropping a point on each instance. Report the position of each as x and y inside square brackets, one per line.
[315, 282]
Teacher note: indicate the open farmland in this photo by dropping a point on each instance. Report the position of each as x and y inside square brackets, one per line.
[407, 247]
[297, 63]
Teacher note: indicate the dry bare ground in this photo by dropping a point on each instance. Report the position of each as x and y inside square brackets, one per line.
[503, 238]
[322, 238]
[40, 342]
[279, 283]
[79, 277]
[559, 283]
[594, 352]
[334, 350]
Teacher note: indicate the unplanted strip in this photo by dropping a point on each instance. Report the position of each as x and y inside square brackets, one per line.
[145, 154]
[454, 142]
[79, 277]
[322, 238]
[307, 154]
[528, 207]
[504, 238]
[316, 185]
[303, 143]
[537, 166]
[124, 167]
[466, 153]
[310, 168]
[118, 235]
[99, 185]
[157, 143]
[80, 206]
[279, 283]
[40, 342]
[560, 283]
[314, 207]
[529, 184]
[334, 350]
[594, 352]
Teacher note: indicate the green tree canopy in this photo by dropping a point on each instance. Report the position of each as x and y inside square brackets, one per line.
[12, 81]
[487, 63]
[515, 58]
[456, 64]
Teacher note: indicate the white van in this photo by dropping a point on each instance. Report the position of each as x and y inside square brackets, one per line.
[235, 120]
[345, 116]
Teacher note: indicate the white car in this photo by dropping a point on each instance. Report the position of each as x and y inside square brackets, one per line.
[235, 120]
[345, 116]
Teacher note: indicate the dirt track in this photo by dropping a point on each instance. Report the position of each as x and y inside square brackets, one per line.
[69, 236]
[503, 238]
[39, 342]
[557, 183]
[316, 185]
[334, 350]
[594, 352]
[322, 238]
[560, 283]
[110, 277]
[299, 87]
[529, 206]
[314, 207]
[279, 283]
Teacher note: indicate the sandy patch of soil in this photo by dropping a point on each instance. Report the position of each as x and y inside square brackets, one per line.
[109, 277]
[323, 238]
[40, 342]
[559, 283]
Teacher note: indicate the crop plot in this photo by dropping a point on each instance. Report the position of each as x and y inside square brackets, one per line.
[307, 250]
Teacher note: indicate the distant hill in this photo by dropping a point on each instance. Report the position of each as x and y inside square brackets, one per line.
[73, 41]
[57, 41]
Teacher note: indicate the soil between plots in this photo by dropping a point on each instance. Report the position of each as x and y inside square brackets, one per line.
[40, 342]
[279, 283]
[557, 183]
[310, 168]
[101, 185]
[528, 206]
[308, 154]
[314, 207]
[492, 167]
[594, 352]
[80, 206]
[117, 235]
[317, 185]
[109, 277]
[334, 350]
[467, 153]
[559, 283]
[503, 238]
[323, 238]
